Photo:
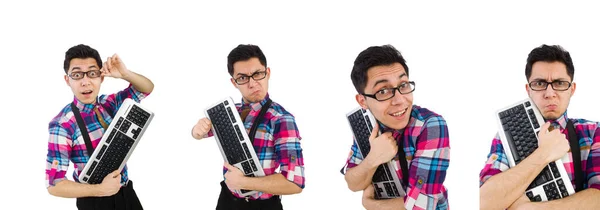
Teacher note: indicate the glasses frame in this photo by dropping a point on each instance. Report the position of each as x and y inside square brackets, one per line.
[551, 84]
[251, 76]
[85, 73]
[412, 83]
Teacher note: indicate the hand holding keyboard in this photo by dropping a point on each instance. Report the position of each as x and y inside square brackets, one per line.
[553, 144]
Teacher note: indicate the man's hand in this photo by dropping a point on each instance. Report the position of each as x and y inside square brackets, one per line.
[552, 144]
[234, 178]
[201, 128]
[383, 147]
[111, 184]
[114, 67]
[368, 195]
[523, 203]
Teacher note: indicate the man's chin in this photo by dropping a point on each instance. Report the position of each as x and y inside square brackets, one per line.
[254, 98]
[551, 115]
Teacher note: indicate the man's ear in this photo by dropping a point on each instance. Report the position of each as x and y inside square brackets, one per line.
[67, 80]
[268, 72]
[528, 90]
[362, 101]
[233, 83]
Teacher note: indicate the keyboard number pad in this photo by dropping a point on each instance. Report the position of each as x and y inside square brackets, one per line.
[138, 116]
[125, 126]
[551, 191]
[247, 168]
[380, 174]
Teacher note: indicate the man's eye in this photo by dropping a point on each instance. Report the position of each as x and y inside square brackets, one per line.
[383, 91]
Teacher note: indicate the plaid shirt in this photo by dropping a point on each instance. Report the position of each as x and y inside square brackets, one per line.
[589, 142]
[66, 143]
[276, 143]
[427, 152]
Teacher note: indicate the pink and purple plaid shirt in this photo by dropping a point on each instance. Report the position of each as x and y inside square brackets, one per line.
[277, 144]
[427, 152]
[589, 140]
[66, 143]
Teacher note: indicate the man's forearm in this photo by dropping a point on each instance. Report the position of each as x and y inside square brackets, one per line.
[387, 204]
[139, 82]
[502, 189]
[71, 189]
[360, 176]
[273, 184]
[586, 199]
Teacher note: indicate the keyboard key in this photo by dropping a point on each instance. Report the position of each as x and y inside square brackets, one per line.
[92, 167]
[111, 136]
[101, 152]
[247, 151]
[554, 169]
[395, 188]
[227, 135]
[254, 168]
[231, 116]
[112, 158]
[247, 168]
[388, 189]
[239, 132]
[378, 191]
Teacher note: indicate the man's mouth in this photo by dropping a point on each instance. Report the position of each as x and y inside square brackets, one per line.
[551, 106]
[399, 113]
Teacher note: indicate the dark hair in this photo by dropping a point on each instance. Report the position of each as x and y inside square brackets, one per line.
[81, 51]
[371, 57]
[553, 53]
[243, 53]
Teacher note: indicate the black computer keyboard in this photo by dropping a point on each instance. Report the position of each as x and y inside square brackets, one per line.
[230, 137]
[111, 157]
[361, 126]
[118, 142]
[517, 125]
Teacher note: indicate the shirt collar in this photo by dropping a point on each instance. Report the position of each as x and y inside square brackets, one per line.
[83, 107]
[256, 106]
[561, 121]
[395, 133]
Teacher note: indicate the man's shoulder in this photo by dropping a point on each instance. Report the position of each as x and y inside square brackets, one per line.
[278, 111]
[63, 116]
[425, 115]
[585, 123]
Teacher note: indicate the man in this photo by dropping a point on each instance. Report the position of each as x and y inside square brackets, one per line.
[380, 76]
[549, 73]
[277, 140]
[84, 75]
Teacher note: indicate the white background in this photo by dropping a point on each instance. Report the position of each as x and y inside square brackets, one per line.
[467, 59]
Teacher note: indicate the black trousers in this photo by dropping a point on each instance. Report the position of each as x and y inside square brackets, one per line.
[125, 199]
[228, 201]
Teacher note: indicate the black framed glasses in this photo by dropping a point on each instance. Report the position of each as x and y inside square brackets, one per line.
[77, 75]
[243, 79]
[558, 85]
[387, 93]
